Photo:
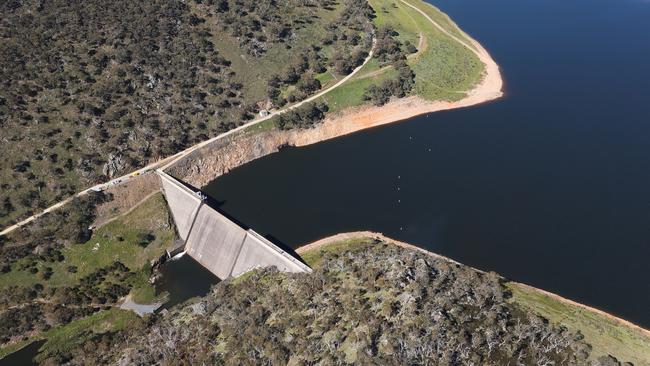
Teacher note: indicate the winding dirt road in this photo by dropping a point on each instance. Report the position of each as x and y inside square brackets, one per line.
[164, 163]
[368, 116]
[488, 89]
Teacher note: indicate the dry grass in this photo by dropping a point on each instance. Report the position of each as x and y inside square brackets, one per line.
[605, 333]
[126, 196]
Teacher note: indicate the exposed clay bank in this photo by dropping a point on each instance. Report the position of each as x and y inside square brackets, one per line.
[549, 186]
[224, 154]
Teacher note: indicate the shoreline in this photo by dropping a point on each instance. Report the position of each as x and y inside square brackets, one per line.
[338, 124]
[323, 242]
[221, 155]
[356, 119]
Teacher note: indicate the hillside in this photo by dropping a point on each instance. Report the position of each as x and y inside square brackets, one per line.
[55, 275]
[367, 302]
[92, 90]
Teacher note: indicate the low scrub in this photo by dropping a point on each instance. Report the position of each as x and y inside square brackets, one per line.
[372, 303]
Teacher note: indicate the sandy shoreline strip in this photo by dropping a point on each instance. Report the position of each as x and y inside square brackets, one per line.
[357, 119]
[379, 236]
[348, 121]
[360, 118]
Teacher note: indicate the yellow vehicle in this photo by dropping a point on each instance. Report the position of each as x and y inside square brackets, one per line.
[135, 174]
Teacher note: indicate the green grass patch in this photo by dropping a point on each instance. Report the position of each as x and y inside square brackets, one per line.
[242, 277]
[6, 351]
[265, 126]
[124, 240]
[313, 257]
[326, 79]
[351, 93]
[368, 68]
[444, 69]
[606, 335]
[64, 338]
[143, 292]
[443, 20]
[394, 14]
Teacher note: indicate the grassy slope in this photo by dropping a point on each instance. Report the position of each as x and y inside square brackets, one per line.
[444, 69]
[313, 257]
[76, 332]
[605, 335]
[447, 69]
[254, 72]
[150, 217]
[441, 18]
[64, 338]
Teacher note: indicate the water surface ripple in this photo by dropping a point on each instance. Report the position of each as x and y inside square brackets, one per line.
[549, 186]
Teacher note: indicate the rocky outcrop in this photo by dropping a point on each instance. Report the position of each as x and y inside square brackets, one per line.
[219, 157]
[204, 165]
[114, 165]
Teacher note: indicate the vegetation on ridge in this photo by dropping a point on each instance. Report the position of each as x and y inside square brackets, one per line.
[443, 68]
[91, 90]
[372, 303]
[60, 282]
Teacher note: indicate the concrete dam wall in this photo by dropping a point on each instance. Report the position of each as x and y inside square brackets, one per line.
[218, 243]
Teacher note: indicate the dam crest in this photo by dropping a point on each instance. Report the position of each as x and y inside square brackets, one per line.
[218, 243]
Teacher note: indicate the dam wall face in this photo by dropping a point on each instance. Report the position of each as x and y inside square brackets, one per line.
[215, 242]
[218, 243]
[256, 252]
[183, 203]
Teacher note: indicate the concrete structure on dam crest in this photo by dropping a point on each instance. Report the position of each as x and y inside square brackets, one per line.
[216, 242]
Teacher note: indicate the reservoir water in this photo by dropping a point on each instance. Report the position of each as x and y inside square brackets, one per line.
[184, 278]
[549, 186]
[24, 356]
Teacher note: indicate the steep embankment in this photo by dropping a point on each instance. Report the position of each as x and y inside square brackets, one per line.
[367, 302]
[605, 333]
[360, 118]
[220, 156]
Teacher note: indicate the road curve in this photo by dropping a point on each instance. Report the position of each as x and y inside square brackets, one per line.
[492, 84]
[492, 78]
[164, 163]
[488, 89]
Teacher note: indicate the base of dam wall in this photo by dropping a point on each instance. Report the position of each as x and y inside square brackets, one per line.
[257, 252]
[216, 242]
[183, 204]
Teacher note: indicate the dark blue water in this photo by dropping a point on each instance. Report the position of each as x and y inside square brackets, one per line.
[24, 356]
[549, 186]
[183, 279]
